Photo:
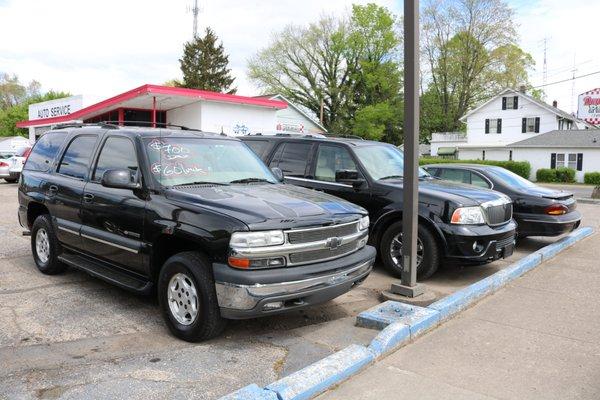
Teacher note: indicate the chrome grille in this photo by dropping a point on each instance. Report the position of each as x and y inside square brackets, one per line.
[316, 234]
[314, 255]
[499, 214]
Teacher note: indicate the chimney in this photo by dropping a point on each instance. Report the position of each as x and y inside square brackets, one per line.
[555, 104]
[522, 89]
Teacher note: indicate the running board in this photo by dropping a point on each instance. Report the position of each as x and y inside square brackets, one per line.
[110, 275]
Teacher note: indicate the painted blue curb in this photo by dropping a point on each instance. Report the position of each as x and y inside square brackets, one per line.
[251, 392]
[416, 318]
[390, 338]
[553, 249]
[323, 374]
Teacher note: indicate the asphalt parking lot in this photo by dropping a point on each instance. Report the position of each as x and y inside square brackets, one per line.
[72, 336]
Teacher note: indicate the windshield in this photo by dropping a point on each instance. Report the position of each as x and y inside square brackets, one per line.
[180, 161]
[511, 179]
[384, 161]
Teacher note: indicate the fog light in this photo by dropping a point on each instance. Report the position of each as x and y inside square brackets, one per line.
[273, 306]
[477, 247]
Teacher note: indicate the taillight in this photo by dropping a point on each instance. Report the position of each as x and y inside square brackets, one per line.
[3, 164]
[556, 209]
[26, 154]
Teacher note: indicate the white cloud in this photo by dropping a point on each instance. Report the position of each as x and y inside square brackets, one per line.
[100, 49]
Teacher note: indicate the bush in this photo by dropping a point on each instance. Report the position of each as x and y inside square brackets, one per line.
[566, 175]
[522, 168]
[546, 175]
[562, 175]
[592, 178]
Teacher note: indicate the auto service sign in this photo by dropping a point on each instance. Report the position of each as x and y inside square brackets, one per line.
[55, 108]
[589, 106]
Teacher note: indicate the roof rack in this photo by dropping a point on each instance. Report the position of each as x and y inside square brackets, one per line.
[283, 134]
[331, 135]
[156, 124]
[83, 124]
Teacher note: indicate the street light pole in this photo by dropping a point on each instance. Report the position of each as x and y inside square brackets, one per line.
[408, 286]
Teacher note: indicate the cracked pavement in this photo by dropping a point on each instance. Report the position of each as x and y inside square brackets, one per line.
[71, 336]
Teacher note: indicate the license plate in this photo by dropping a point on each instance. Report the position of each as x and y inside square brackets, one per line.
[509, 250]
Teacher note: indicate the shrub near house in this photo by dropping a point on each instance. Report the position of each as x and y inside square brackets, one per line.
[592, 178]
[521, 168]
[562, 175]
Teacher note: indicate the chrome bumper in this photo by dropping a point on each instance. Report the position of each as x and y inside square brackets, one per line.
[247, 297]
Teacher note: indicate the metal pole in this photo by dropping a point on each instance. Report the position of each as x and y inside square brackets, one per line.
[408, 286]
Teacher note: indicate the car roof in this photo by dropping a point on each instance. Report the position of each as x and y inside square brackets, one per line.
[352, 141]
[142, 131]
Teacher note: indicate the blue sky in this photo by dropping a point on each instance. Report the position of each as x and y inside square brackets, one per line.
[99, 49]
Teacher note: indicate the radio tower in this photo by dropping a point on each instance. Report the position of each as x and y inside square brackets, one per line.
[195, 10]
[545, 70]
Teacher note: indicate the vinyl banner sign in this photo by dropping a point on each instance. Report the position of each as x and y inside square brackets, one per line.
[55, 108]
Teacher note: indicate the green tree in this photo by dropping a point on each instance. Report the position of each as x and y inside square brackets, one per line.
[204, 65]
[349, 64]
[470, 52]
[13, 92]
[19, 112]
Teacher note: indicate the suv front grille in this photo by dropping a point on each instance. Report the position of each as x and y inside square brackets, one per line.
[502, 243]
[499, 214]
[316, 234]
[323, 254]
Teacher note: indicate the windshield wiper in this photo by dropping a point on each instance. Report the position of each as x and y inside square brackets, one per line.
[201, 183]
[392, 177]
[250, 180]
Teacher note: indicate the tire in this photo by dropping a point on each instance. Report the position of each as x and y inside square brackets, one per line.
[430, 251]
[45, 246]
[179, 275]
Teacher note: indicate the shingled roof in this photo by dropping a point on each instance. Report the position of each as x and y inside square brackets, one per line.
[563, 138]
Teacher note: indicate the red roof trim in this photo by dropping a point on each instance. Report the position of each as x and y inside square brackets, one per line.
[156, 89]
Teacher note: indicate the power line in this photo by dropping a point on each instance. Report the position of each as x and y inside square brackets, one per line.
[567, 80]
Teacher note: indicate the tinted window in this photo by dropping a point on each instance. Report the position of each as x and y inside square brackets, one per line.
[117, 153]
[456, 175]
[331, 159]
[44, 151]
[479, 181]
[76, 160]
[511, 179]
[257, 146]
[293, 158]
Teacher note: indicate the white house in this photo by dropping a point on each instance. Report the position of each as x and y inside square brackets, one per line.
[503, 128]
[294, 118]
[577, 149]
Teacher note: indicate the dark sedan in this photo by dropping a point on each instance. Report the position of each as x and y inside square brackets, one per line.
[538, 211]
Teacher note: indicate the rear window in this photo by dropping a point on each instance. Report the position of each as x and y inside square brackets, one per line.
[44, 151]
[257, 146]
[292, 158]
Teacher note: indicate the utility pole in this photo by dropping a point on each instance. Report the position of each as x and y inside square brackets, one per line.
[408, 286]
[545, 70]
[195, 9]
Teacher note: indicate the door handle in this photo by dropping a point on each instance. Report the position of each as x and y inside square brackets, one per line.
[88, 197]
[52, 189]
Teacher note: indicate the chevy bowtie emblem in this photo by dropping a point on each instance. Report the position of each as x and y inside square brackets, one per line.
[333, 243]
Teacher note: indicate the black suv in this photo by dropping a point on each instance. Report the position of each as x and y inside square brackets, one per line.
[459, 222]
[197, 216]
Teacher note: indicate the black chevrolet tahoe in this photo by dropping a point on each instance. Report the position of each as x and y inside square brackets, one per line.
[456, 222]
[195, 217]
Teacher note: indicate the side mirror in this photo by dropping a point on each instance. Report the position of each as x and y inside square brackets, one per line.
[119, 179]
[278, 173]
[349, 177]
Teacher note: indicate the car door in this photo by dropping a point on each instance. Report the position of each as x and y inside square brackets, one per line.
[293, 158]
[113, 218]
[330, 158]
[64, 189]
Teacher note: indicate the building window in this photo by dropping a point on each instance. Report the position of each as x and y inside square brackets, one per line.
[560, 160]
[572, 161]
[510, 103]
[493, 125]
[483, 155]
[510, 155]
[531, 124]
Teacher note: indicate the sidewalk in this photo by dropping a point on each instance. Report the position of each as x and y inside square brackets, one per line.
[535, 339]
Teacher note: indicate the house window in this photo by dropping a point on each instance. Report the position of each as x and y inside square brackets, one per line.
[510, 103]
[572, 161]
[483, 155]
[510, 155]
[560, 160]
[531, 124]
[493, 125]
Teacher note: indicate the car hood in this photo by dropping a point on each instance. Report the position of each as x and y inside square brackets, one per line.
[459, 193]
[284, 205]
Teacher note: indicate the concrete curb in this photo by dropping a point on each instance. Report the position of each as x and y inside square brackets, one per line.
[585, 200]
[398, 323]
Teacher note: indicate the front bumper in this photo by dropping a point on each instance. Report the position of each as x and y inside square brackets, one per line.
[491, 243]
[248, 294]
[547, 225]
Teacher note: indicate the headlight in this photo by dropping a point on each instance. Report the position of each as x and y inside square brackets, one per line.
[468, 216]
[363, 223]
[256, 239]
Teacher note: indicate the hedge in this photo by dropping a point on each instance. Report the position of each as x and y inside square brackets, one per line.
[562, 175]
[592, 178]
[522, 168]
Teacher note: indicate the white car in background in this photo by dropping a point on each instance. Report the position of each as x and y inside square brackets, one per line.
[16, 162]
[5, 166]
